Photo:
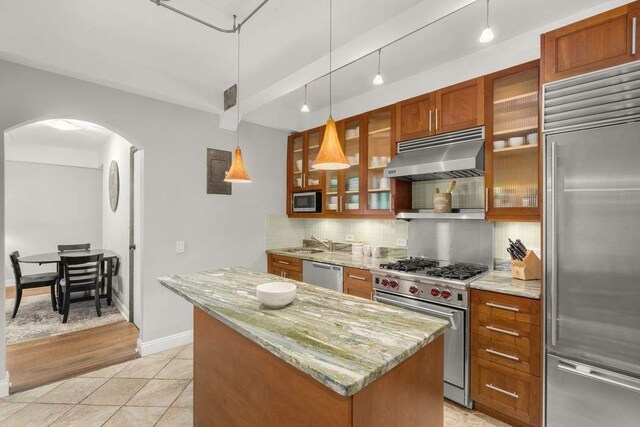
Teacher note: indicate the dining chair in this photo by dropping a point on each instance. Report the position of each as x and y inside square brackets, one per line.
[74, 247]
[31, 281]
[81, 274]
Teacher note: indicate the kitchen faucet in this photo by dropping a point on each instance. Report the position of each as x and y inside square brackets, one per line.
[329, 244]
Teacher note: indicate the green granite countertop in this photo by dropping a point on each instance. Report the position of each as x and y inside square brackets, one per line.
[503, 283]
[345, 342]
[344, 259]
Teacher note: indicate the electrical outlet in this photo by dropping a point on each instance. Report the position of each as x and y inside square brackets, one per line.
[402, 243]
[349, 238]
[180, 247]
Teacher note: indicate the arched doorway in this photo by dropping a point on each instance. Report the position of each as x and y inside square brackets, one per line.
[86, 179]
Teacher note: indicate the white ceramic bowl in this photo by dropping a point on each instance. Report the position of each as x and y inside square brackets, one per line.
[516, 141]
[532, 138]
[299, 165]
[497, 145]
[276, 294]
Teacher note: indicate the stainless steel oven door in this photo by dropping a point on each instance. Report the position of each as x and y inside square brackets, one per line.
[454, 337]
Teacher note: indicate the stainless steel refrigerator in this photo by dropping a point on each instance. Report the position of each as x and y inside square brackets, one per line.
[592, 249]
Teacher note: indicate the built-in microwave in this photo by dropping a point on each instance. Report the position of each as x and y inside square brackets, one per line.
[307, 202]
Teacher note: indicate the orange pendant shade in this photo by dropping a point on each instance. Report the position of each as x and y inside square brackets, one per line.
[330, 156]
[237, 171]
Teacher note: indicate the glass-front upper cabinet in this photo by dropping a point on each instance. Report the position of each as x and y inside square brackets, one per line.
[303, 149]
[342, 194]
[512, 154]
[379, 150]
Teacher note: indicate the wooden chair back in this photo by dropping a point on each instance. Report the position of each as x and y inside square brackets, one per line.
[15, 264]
[75, 247]
[82, 271]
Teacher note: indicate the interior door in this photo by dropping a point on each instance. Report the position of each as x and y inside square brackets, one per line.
[593, 243]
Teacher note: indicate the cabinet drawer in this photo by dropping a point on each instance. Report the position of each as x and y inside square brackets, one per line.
[286, 262]
[289, 274]
[357, 276]
[514, 352]
[506, 390]
[496, 307]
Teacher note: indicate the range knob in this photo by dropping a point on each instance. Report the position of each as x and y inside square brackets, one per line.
[445, 294]
[435, 292]
[414, 290]
[393, 284]
[385, 282]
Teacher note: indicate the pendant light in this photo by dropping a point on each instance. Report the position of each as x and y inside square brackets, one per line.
[330, 156]
[487, 34]
[378, 80]
[237, 171]
[305, 106]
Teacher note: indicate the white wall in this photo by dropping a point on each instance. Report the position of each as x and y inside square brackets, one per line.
[47, 205]
[115, 225]
[218, 230]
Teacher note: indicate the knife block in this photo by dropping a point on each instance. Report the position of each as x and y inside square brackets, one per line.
[528, 268]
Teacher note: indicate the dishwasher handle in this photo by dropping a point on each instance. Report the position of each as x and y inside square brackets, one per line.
[325, 266]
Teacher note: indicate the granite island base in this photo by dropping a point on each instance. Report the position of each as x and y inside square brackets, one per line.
[326, 359]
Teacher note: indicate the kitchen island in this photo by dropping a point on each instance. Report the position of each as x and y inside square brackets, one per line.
[326, 359]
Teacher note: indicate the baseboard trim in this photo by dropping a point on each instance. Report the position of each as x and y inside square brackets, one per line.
[164, 343]
[120, 306]
[4, 385]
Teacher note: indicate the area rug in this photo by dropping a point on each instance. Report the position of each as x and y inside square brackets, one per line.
[36, 318]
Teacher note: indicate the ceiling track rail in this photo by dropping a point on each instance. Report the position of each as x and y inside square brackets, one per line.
[236, 27]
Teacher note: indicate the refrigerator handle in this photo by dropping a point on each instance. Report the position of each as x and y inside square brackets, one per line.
[591, 373]
[554, 265]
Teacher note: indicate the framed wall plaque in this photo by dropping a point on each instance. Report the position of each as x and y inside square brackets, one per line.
[218, 163]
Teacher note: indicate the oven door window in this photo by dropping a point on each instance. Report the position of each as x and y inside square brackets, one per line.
[454, 337]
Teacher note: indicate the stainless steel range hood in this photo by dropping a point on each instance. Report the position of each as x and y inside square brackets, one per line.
[447, 156]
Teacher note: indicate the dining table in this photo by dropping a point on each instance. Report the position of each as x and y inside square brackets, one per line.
[56, 258]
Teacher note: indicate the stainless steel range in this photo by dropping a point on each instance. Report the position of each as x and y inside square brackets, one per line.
[440, 289]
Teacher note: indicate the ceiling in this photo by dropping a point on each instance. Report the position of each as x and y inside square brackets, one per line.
[137, 46]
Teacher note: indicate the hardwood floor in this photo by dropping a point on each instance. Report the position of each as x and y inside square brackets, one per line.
[46, 360]
[10, 292]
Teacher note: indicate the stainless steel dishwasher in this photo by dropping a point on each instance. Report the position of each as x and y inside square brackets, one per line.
[326, 275]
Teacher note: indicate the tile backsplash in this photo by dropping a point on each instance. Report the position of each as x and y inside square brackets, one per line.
[528, 232]
[285, 232]
[468, 194]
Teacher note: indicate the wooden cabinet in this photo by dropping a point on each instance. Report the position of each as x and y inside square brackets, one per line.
[302, 151]
[506, 356]
[512, 157]
[460, 106]
[414, 117]
[288, 267]
[453, 108]
[598, 42]
[358, 282]
[342, 187]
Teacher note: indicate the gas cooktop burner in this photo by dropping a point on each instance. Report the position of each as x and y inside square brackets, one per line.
[410, 264]
[457, 271]
[434, 268]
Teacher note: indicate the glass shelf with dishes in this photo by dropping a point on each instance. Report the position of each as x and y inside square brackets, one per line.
[379, 153]
[512, 176]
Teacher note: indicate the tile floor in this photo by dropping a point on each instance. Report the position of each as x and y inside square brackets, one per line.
[156, 390]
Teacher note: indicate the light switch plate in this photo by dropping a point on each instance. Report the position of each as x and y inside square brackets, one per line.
[349, 238]
[180, 247]
[402, 243]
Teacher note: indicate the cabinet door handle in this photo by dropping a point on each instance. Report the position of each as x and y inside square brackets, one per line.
[429, 120]
[502, 331]
[500, 354]
[436, 119]
[503, 307]
[486, 199]
[283, 262]
[499, 390]
[304, 180]
[353, 276]
[634, 34]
